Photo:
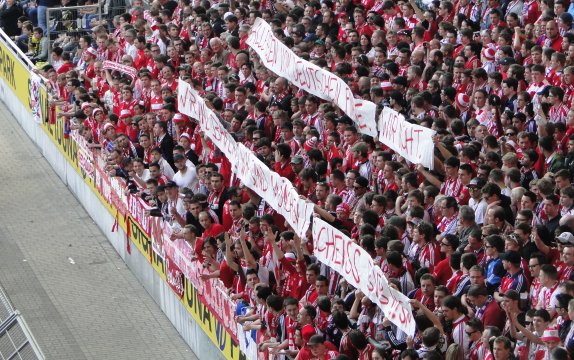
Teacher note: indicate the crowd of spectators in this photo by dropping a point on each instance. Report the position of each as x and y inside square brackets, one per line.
[483, 243]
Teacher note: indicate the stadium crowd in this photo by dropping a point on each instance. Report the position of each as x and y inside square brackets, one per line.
[483, 243]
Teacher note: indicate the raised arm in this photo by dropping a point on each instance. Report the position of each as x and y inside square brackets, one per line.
[429, 314]
[229, 255]
[527, 333]
[272, 240]
[430, 177]
[251, 262]
[325, 215]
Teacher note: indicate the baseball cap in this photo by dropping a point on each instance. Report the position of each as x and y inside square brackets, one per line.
[297, 160]
[386, 85]
[476, 183]
[170, 184]
[507, 61]
[290, 256]
[344, 208]
[511, 256]
[404, 32]
[565, 238]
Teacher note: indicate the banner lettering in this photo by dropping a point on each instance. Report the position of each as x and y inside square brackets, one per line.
[322, 83]
[337, 251]
[174, 276]
[277, 191]
[85, 156]
[411, 141]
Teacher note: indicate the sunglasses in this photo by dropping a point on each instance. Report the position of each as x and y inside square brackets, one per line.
[509, 134]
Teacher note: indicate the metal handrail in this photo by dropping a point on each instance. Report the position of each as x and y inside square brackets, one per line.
[97, 6]
[23, 58]
[74, 7]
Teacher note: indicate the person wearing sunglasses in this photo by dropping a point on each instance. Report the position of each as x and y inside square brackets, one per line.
[474, 328]
[534, 265]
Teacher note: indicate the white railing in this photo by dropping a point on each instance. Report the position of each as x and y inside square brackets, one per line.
[21, 56]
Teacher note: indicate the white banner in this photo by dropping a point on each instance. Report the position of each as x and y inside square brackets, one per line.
[411, 141]
[35, 103]
[277, 191]
[322, 83]
[340, 253]
[247, 342]
[85, 155]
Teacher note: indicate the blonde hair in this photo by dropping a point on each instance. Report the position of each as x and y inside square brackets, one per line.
[454, 352]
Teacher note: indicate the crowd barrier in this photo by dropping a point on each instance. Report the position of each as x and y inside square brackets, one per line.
[201, 311]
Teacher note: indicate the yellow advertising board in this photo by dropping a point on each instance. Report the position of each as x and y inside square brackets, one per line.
[17, 77]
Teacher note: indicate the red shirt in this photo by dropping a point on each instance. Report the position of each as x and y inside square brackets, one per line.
[453, 281]
[493, 315]
[226, 274]
[65, 68]
[427, 301]
[214, 230]
[296, 282]
[140, 61]
[285, 170]
[365, 29]
[443, 271]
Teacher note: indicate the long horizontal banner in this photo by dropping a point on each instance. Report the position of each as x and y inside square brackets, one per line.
[341, 254]
[277, 191]
[411, 141]
[322, 83]
[280, 194]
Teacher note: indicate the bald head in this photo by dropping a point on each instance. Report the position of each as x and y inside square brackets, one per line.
[552, 29]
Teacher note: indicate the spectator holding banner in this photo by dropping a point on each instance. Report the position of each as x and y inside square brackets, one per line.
[351, 185]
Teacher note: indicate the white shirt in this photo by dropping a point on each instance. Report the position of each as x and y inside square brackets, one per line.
[479, 209]
[186, 179]
[460, 336]
[547, 298]
[166, 168]
[145, 175]
[131, 50]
